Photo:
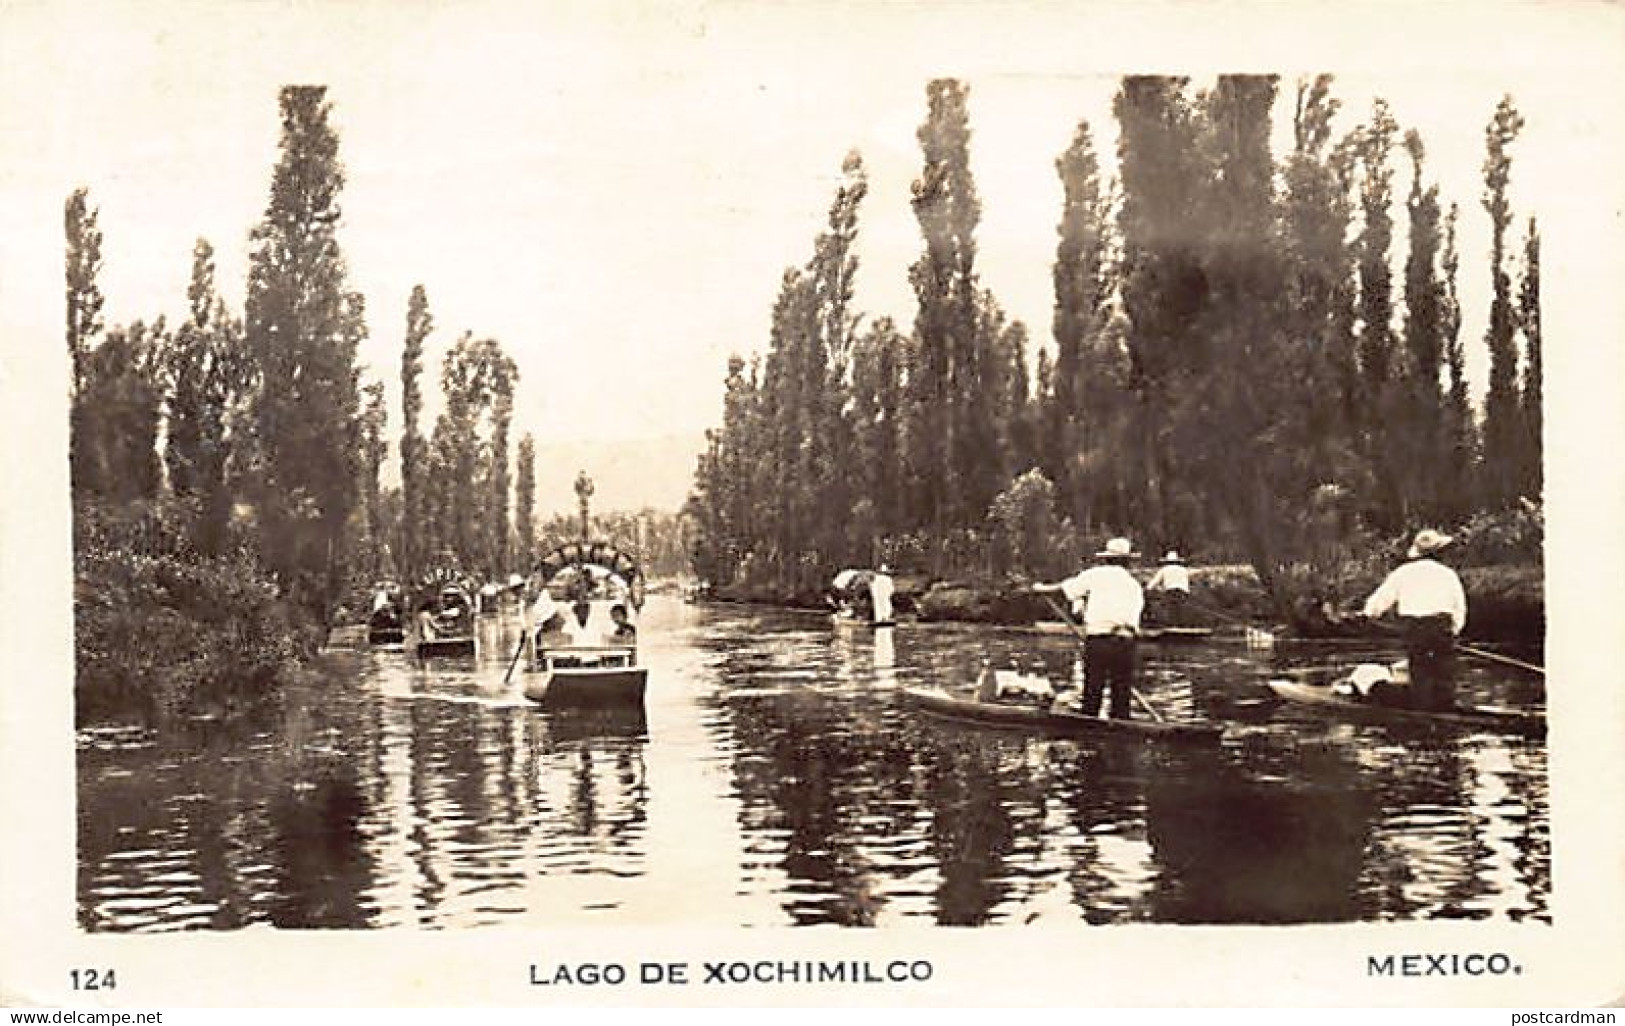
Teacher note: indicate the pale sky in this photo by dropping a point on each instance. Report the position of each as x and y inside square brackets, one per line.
[613, 189]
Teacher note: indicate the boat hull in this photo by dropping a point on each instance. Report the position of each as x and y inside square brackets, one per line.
[854, 623]
[445, 648]
[1161, 634]
[1175, 634]
[588, 687]
[1470, 717]
[377, 636]
[940, 703]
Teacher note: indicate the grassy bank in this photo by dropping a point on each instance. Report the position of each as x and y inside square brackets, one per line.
[161, 630]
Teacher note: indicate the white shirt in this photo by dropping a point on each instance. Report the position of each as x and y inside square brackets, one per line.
[1421, 587]
[543, 609]
[1114, 599]
[880, 592]
[1170, 577]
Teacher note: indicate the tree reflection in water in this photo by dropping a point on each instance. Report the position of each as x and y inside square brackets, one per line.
[787, 784]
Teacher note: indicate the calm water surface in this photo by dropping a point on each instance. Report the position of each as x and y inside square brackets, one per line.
[776, 780]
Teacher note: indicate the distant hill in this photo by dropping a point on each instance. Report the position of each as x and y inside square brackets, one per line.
[627, 474]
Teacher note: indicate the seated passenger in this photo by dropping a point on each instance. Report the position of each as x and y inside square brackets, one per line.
[623, 629]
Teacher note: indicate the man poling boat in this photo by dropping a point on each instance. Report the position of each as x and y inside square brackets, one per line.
[863, 597]
[1432, 608]
[1171, 587]
[1108, 601]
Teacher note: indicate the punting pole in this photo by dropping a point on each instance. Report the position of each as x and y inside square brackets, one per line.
[1066, 618]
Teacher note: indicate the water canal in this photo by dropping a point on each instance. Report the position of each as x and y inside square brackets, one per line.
[775, 780]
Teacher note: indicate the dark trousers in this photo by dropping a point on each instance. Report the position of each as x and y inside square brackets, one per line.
[1108, 660]
[1430, 649]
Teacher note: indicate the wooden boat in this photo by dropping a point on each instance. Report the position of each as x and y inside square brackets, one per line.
[938, 702]
[848, 622]
[1146, 633]
[1053, 627]
[587, 663]
[1493, 718]
[451, 619]
[585, 678]
[1175, 633]
[382, 637]
[445, 648]
[384, 625]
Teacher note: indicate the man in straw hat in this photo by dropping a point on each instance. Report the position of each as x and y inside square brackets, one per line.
[1432, 606]
[1110, 601]
[1173, 582]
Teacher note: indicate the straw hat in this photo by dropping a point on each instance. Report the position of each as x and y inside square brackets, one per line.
[1428, 540]
[1173, 557]
[1117, 548]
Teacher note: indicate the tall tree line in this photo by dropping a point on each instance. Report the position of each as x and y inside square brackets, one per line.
[262, 410]
[1236, 367]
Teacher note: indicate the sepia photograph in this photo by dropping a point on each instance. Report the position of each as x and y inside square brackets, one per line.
[740, 502]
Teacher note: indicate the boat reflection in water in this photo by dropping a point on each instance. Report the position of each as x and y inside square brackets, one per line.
[776, 778]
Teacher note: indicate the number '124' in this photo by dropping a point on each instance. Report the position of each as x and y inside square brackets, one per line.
[92, 979]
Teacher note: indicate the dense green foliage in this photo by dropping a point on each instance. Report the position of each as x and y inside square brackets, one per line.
[161, 629]
[1235, 371]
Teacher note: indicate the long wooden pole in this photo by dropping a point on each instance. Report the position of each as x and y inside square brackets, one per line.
[1067, 619]
[524, 630]
[1496, 657]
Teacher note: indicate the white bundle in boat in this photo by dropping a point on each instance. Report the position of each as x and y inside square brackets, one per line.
[1013, 684]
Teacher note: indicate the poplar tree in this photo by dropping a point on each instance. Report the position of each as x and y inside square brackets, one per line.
[374, 449]
[1460, 430]
[525, 501]
[1529, 324]
[503, 377]
[1419, 448]
[946, 400]
[1317, 209]
[1375, 405]
[1503, 431]
[419, 323]
[1237, 404]
[832, 273]
[208, 376]
[115, 422]
[877, 384]
[303, 326]
[1083, 290]
[1163, 284]
[84, 295]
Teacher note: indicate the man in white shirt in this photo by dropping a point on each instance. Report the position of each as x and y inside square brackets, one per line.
[1432, 606]
[1173, 581]
[1109, 601]
[881, 588]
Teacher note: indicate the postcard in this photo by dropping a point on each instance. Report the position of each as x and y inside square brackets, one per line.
[811, 504]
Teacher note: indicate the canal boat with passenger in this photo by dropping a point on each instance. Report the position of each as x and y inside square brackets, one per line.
[443, 625]
[385, 626]
[1345, 703]
[582, 635]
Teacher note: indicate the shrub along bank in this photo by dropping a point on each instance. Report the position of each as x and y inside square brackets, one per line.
[162, 630]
